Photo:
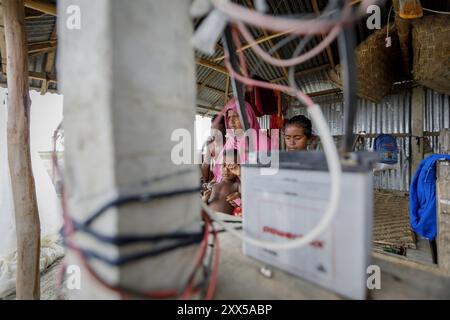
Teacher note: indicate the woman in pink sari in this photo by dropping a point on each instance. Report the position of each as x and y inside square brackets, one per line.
[244, 141]
[253, 140]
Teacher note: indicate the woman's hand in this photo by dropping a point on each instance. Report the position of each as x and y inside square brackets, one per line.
[206, 195]
[230, 199]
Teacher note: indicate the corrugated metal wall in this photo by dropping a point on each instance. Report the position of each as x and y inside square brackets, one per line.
[264, 122]
[437, 116]
[392, 116]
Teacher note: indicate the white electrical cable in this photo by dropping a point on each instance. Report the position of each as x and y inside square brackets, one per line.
[237, 12]
[334, 167]
[435, 11]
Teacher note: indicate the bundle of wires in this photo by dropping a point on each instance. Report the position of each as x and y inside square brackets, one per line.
[194, 287]
[336, 17]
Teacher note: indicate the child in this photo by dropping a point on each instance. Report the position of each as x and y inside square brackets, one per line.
[224, 195]
[297, 133]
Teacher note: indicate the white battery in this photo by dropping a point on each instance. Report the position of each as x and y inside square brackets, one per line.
[287, 205]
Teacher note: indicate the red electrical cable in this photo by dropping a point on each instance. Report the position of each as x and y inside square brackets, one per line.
[214, 273]
[69, 233]
[151, 294]
[188, 292]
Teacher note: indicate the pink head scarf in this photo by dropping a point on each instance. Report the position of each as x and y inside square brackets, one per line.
[251, 117]
[259, 142]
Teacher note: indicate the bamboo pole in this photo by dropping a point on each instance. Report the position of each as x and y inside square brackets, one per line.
[263, 39]
[209, 64]
[18, 137]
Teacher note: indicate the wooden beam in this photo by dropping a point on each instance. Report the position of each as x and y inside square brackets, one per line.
[18, 136]
[209, 64]
[417, 112]
[260, 40]
[41, 6]
[32, 88]
[42, 76]
[2, 42]
[45, 46]
[207, 108]
[324, 92]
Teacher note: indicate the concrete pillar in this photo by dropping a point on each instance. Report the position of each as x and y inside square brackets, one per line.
[128, 80]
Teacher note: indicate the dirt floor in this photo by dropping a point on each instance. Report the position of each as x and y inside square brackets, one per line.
[391, 233]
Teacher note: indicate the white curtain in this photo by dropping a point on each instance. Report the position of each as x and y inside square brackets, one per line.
[49, 214]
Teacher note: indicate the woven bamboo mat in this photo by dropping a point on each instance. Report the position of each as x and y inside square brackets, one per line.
[391, 227]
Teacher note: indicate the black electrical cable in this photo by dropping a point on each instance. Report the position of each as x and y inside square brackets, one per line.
[238, 88]
[184, 238]
[346, 44]
[145, 197]
[130, 239]
[129, 291]
[89, 254]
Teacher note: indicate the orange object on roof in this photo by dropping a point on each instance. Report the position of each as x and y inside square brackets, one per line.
[410, 9]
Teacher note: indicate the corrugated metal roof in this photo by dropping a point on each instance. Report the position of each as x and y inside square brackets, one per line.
[39, 28]
[313, 82]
